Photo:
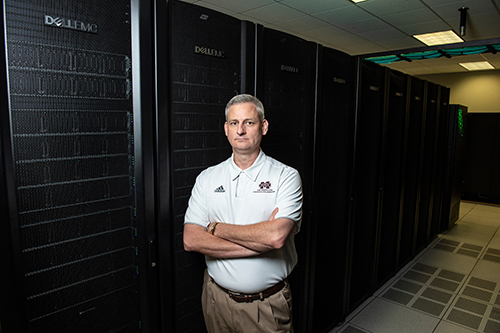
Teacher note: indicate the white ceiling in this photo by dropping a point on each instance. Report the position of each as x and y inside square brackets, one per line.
[374, 26]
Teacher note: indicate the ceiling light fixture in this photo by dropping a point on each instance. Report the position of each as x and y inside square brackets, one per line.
[476, 66]
[439, 38]
[356, 1]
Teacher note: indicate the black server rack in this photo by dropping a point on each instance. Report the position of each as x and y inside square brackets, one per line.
[73, 168]
[366, 181]
[333, 172]
[390, 217]
[411, 170]
[495, 176]
[286, 76]
[457, 117]
[480, 161]
[209, 61]
[440, 147]
[428, 162]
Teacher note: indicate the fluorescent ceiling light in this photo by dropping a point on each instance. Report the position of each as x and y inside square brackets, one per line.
[476, 66]
[356, 1]
[439, 38]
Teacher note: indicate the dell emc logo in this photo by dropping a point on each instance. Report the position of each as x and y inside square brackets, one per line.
[70, 24]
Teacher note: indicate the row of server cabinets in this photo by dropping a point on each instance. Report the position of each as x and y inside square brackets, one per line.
[111, 109]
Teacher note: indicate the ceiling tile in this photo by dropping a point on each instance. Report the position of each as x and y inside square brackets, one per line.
[485, 32]
[400, 43]
[423, 28]
[344, 16]
[304, 23]
[367, 25]
[363, 48]
[332, 34]
[315, 6]
[487, 19]
[417, 16]
[383, 34]
[387, 7]
[237, 6]
[413, 70]
[432, 3]
[451, 10]
[274, 13]
[493, 59]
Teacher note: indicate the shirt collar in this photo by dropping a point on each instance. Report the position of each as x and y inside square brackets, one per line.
[253, 171]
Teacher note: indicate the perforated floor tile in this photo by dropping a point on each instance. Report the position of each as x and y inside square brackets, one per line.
[471, 250]
[475, 307]
[492, 255]
[492, 327]
[425, 288]
[464, 318]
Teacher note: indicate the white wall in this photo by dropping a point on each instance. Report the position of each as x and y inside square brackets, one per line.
[479, 91]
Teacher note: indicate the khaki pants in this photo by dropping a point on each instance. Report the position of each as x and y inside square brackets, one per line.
[272, 314]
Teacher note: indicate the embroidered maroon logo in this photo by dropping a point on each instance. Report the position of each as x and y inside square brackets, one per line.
[264, 187]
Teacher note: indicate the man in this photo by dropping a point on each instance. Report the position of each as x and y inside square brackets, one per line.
[242, 215]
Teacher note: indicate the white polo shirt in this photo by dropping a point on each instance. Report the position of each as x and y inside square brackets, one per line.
[225, 193]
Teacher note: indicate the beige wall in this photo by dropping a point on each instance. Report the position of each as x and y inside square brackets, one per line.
[480, 91]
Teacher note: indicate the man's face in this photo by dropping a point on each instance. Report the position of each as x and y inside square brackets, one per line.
[243, 128]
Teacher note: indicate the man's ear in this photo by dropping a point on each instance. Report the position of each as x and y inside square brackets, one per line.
[225, 128]
[265, 126]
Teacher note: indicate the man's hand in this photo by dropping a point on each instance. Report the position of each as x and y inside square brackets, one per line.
[273, 214]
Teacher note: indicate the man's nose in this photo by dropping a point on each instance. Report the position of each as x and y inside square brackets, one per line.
[241, 128]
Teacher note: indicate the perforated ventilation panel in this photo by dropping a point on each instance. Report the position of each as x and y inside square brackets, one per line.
[206, 74]
[71, 116]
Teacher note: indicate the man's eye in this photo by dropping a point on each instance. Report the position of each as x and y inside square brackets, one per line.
[250, 122]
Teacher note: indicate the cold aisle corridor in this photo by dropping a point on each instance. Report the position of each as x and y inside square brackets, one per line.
[452, 286]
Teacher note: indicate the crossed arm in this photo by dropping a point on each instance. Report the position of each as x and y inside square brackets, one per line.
[238, 241]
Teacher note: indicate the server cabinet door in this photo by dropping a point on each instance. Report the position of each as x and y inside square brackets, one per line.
[206, 61]
[393, 173]
[333, 172]
[77, 225]
[453, 165]
[411, 172]
[438, 181]
[367, 163]
[287, 66]
[427, 170]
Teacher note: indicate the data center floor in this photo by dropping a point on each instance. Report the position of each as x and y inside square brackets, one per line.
[452, 286]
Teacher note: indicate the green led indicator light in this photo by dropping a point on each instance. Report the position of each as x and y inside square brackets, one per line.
[460, 122]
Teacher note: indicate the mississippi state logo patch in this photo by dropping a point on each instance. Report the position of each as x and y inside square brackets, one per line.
[264, 187]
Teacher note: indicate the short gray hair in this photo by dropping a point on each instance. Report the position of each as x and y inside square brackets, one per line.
[245, 98]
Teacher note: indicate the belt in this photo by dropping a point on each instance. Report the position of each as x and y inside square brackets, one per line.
[247, 298]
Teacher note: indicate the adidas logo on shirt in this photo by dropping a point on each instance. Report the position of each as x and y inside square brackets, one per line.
[220, 189]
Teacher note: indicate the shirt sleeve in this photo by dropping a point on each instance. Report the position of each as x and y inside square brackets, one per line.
[196, 212]
[289, 198]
